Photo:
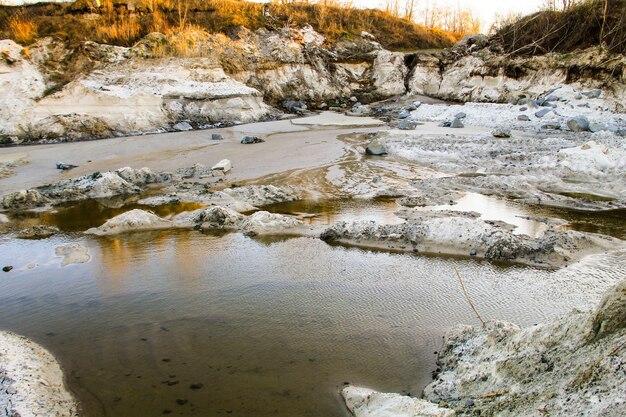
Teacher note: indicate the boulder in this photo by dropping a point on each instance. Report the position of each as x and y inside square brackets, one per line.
[460, 115]
[404, 114]
[578, 124]
[182, 126]
[610, 316]
[293, 106]
[375, 147]
[457, 123]
[407, 125]
[246, 140]
[501, 133]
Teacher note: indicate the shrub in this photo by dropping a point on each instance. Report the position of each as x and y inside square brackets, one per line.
[23, 31]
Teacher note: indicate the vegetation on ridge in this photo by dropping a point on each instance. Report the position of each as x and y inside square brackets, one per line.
[122, 23]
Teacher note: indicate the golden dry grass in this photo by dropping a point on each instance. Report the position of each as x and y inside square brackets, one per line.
[23, 31]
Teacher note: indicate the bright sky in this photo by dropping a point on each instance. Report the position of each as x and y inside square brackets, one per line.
[485, 9]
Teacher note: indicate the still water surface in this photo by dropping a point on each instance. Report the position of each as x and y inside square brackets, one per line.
[194, 324]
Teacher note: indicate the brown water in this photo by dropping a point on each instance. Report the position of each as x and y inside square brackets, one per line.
[197, 324]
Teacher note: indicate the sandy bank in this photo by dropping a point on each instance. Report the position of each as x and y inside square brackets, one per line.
[31, 381]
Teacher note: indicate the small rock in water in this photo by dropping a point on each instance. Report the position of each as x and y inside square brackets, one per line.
[246, 140]
[473, 252]
[404, 114]
[217, 136]
[542, 112]
[460, 115]
[578, 124]
[407, 125]
[456, 123]
[376, 147]
[501, 133]
[63, 166]
[182, 126]
[592, 93]
[7, 268]
[523, 118]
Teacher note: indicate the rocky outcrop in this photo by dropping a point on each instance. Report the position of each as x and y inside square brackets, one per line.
[131, 221]
[572, 365]
[31, 381]
[363, 402]
[464, 234]
[480, 75]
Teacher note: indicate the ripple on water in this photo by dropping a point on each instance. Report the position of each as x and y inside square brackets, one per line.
[268, 328]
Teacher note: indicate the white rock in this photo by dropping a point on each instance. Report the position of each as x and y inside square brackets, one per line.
[223, 165]
[73, 253]
[133, 220]
[3, 218]
[363, 402]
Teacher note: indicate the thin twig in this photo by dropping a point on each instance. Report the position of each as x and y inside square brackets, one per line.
[467, 297]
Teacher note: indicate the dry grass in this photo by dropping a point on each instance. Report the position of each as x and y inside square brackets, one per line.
[113, 23]
[23, 31]
[587, 24]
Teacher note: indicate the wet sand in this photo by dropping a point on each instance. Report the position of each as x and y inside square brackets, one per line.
[283, 150]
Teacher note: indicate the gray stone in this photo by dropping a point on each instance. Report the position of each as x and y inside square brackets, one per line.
[523, 118]
[523, 108]
[551, 126]
[360, 110]
[578, 96]
[540, 101]
[456, 123]
[593, 93]
[7, 268]
[587, 105]
[552, 97]
[246, 140]
[473, 252]
[410, 107]
[404, 114]
[578, 124]
[408, 125]
[542, 112]
[460, 115]
[549, 104]
[63, 166]
[445, 124]
[182, 126]
[217, 136]
[527, 102]
[293, 106]
[501, 133]
[375, 147]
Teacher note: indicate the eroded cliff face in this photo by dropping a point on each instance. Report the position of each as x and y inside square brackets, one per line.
[215, 80]
[480, 75]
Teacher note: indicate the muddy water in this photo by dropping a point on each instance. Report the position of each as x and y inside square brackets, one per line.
[199, 324]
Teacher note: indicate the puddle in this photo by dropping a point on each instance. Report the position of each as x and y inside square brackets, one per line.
[327, 212]
[496, 209]
[205, 325]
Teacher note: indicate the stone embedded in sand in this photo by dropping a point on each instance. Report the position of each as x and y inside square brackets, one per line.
[523, 118]
[133, 220]
[375, 147]
[363, 402]
[592, 94]
[407, 125]
[182, 126]
[578, 124]
[217, 136]
[246, 140]
[223, 165]
[501, 133]
[542, 112]
[456, 123]
[73, 253]
[403, 114]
